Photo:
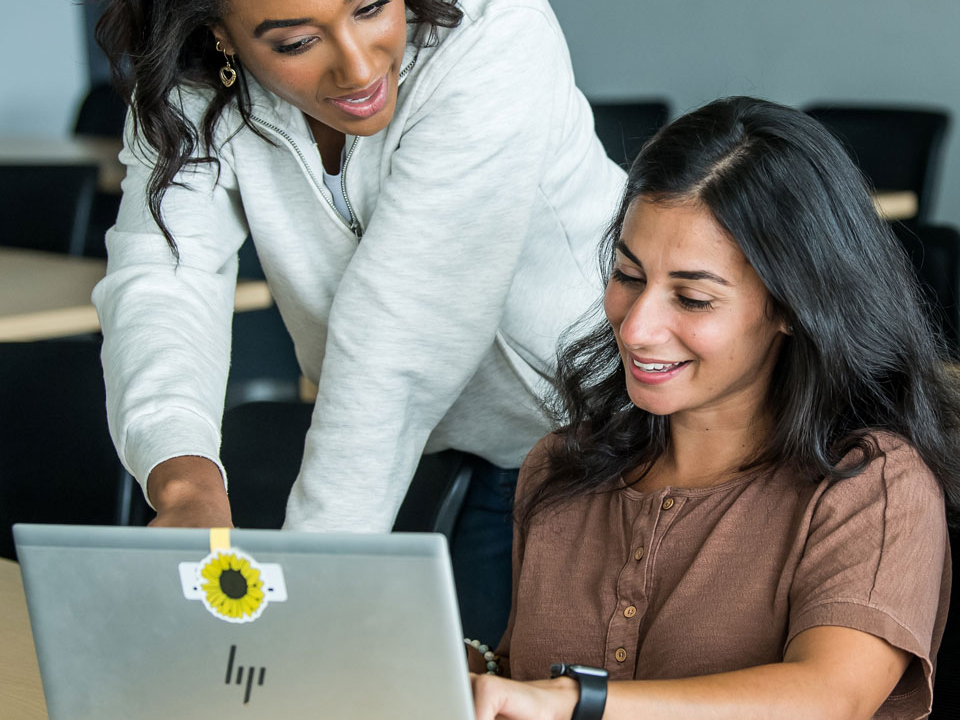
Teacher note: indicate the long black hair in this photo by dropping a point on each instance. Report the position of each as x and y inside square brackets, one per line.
[862, 356]
[156, 46]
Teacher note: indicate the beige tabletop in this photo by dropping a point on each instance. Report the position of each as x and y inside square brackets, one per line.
[900, 205]
[101, 152]
[21, 695]
[47, 295]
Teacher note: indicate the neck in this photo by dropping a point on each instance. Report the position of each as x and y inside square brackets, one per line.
[330, 143]
[707, 449]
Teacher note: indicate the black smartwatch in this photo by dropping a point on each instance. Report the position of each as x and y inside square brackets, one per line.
[593, 689]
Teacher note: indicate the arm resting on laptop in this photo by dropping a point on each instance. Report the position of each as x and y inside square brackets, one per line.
[188, 492]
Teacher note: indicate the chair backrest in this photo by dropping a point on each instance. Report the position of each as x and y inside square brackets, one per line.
[102, 113]
[623, 127]
[897, 148]
[934, 251]
[262, 449]
[946, 688]
[46, 207]
[57, 462]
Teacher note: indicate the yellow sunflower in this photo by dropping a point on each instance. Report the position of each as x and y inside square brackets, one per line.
[233, 587]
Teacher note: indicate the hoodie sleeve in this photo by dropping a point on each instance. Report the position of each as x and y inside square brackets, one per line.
[420, 302]
[166, 324]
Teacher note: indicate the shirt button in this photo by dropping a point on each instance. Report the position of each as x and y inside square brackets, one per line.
[638, 555]
[630, 611]
[667, 503]
[621, 655]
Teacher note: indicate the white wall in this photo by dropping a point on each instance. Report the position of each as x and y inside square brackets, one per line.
[43, 67]
[690, 51]
[791, 51]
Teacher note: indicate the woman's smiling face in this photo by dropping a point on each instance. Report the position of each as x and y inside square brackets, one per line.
[692, 319]
[338, 61]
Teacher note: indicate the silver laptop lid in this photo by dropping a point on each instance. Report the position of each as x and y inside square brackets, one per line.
[161, 623]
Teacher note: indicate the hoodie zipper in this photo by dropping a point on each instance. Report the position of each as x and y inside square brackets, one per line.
[354, 225]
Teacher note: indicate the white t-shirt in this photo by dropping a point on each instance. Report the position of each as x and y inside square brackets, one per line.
[336, 189]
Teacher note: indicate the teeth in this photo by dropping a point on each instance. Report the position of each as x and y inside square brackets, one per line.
[656, 367]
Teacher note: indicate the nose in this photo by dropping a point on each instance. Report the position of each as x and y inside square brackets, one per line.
[353, 67]
[646, 323]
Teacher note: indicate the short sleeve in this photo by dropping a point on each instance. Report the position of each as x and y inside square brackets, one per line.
[876, 559]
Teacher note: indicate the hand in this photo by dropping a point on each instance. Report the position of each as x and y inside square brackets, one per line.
[497, 698]
[188, 492]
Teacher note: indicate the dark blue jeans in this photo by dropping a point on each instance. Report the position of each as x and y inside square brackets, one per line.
[482, 552]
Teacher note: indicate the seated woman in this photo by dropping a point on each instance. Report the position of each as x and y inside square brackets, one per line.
[745, 514]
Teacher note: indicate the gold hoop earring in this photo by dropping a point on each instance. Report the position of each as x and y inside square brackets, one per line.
[228, 76]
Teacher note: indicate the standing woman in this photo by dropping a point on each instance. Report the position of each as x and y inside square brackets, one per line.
[424, 188]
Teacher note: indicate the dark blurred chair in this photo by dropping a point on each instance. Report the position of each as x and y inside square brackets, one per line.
[897, 148]
[934, 251]
[46, 207]
[623, 127]
[57, 462]
[946, 688]
[263, 363]
[262, 449]
[101, 115]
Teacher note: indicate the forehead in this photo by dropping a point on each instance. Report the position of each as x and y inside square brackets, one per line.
[254, 11]
[682, 236]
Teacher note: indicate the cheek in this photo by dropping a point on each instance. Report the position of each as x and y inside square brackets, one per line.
[392, 34]
[615, 305]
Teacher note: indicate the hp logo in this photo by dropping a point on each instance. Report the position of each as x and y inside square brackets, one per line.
[238, 678]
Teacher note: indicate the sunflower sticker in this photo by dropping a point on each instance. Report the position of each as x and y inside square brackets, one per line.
[232, 585]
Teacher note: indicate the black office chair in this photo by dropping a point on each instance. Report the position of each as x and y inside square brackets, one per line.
[263, 363]
[57, 462]
[946, 688]
[623, 127]
[934, 251]
[46, 207]
[897, 148]
[101, 115]
[262, 450]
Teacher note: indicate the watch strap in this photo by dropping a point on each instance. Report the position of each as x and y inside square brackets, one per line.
[593, 689]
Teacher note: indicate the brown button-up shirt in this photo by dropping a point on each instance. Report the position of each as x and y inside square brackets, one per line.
[684, 582]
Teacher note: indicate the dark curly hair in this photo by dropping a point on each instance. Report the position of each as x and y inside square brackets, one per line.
[862, 356]
[154, 46]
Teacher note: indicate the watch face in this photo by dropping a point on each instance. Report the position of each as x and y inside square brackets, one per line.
[587, 670]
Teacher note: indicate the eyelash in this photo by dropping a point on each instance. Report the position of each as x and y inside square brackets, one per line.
[688, 303]
[364, 13]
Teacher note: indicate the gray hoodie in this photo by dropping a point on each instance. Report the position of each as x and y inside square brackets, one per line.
[480, 208]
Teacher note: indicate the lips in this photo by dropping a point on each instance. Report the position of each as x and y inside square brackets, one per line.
[363, 103]
[654, 372]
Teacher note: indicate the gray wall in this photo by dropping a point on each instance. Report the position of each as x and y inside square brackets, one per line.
[689, 51]
[791, 51]
[43, 67]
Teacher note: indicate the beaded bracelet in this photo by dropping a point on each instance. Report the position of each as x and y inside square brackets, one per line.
[493, 660]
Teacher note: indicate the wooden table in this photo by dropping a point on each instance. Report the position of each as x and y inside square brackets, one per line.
[46, 295]
[21, 694]
[101, 152]
[896, 205]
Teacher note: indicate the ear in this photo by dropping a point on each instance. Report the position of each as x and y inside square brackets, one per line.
[220, 35]
[785, 327]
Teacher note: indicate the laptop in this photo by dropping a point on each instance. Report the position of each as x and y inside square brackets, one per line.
[191, 624]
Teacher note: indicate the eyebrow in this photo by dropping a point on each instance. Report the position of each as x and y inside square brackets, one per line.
[679, 274]
[267, 25]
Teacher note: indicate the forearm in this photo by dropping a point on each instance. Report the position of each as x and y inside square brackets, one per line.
[781, 691]
[189, 491]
